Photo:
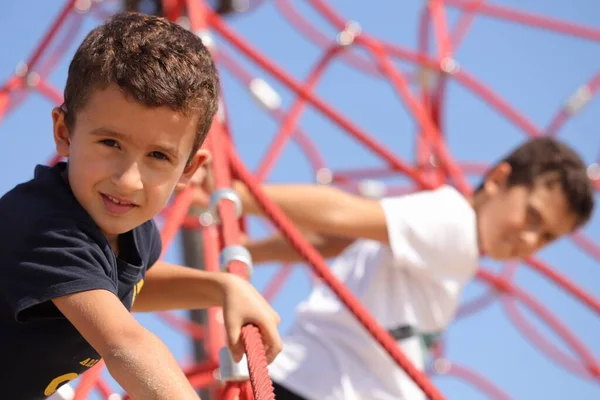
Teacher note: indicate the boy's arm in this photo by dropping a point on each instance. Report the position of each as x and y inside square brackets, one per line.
[277, 248]
[174, 287]
[323, 209]
[135, 357]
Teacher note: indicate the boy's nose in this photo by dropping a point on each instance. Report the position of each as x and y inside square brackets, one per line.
[128, 178]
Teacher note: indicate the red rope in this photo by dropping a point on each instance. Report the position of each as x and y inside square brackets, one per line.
[257, 364]
[478, 380]
[88, 381]
[230, 235]
[232, 391]
[230, 230]
[507, 13]
[274, 213]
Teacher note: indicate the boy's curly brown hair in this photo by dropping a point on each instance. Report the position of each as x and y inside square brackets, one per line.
[152, 60]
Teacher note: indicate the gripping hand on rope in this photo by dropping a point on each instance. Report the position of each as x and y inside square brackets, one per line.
[244, 305]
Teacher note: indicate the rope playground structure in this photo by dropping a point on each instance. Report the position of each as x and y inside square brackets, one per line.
[434, 165]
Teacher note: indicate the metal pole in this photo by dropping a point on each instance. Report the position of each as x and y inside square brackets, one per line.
[193, 254]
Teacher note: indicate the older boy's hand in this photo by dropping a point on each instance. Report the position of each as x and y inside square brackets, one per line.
[243, 305]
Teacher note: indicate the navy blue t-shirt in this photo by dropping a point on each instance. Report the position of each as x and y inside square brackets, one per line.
[50, 247]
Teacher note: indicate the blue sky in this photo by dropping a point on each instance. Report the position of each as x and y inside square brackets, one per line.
[534, 70]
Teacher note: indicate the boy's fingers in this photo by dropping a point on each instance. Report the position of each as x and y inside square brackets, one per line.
[234, 341]
[271, 339]
[237, 352]
[276, 317]
[273, 344]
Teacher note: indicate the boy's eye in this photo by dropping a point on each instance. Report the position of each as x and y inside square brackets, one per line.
[159, 155]
[110, 142]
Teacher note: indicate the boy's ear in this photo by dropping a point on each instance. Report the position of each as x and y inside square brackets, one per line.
[497, 178]
[201, 157]
[62, 139]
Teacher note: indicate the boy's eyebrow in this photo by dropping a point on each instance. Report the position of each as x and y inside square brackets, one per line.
[108, 132]
[103, 131]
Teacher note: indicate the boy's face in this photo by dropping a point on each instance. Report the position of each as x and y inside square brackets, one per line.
[125, 159]
[515, 222]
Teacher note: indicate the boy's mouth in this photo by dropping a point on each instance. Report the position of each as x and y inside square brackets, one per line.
[115, 205]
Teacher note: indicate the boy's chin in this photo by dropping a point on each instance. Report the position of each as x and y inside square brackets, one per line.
[114, 230]
[500, 255]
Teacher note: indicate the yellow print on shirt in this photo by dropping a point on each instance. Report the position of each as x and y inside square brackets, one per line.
[136, 290]
[88, 362]
[59, 380]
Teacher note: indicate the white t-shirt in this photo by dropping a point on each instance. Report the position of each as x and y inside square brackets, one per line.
[417, 280]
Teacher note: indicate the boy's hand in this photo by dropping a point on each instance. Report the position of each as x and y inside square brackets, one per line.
[243, 305]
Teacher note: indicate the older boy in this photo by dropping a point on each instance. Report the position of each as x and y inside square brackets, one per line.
[78, 242]
[415, 256]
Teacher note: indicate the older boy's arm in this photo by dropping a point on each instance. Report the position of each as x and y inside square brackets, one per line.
[323, 209]
[277, 248]
[135, 357]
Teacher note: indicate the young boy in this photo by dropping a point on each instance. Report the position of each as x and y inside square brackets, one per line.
[79, 248]
[416, 254]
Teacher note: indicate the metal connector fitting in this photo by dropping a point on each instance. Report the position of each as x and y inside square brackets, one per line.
[578, 100]
[351, 31]
[224, 194]
[236, 253]
[229, 370]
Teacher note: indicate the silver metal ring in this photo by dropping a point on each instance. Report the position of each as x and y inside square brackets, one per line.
[224, 194]
[231, 371]
[236, 253]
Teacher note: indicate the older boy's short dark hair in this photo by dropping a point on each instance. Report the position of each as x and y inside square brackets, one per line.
[154, 61]
[545, 155]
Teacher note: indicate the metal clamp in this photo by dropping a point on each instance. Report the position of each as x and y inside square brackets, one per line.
[442, 366]
[224, 194]
[324, 176]
[207, 39]
[372, 189]
[349, 33]
[229, 370]
[578, 100]
[236, 253]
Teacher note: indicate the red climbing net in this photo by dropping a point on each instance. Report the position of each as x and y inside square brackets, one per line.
[433, 165]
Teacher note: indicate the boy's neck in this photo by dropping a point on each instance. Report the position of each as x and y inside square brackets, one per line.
[472, 200]
[475, 199]
[114, 244]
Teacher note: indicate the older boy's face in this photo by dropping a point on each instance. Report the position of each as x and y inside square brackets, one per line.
[516, 222]
[125, 159]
